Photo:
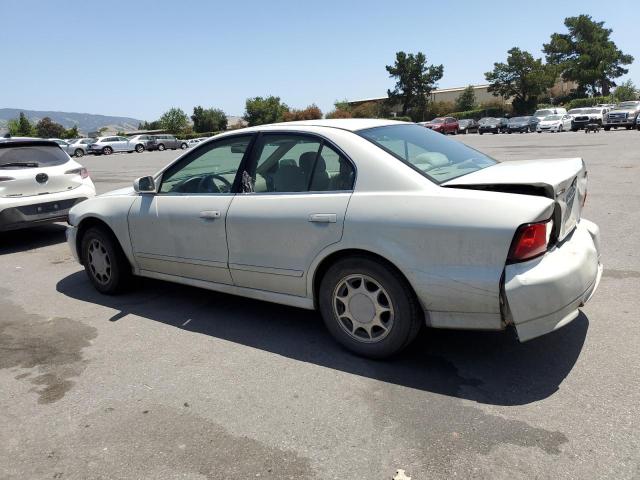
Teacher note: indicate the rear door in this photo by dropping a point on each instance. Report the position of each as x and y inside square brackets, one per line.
[302, 185]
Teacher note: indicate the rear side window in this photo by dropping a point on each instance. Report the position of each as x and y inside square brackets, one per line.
[36, 156]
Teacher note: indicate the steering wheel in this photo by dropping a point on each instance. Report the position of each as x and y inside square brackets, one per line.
[207, 184]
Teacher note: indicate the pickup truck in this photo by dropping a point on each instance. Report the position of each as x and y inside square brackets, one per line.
[624, 114]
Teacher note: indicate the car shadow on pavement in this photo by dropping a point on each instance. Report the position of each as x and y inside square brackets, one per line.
[16, 241]
[487, 367]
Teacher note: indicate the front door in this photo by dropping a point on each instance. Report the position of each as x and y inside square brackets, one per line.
[302, 186]
[181, 229]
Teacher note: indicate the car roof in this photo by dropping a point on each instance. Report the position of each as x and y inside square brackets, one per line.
[351, 124]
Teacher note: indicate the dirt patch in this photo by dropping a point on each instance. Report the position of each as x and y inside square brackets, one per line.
[52, 348]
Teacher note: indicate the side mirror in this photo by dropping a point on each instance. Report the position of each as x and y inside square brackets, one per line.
[144, 185]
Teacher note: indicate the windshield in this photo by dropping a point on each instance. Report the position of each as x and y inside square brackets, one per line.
[552, 117]
[437, 120]
[32, 156]
[543, 113]
[592, 110]
[519, 119]
[432, 154]
[575, 111]
[627, 105]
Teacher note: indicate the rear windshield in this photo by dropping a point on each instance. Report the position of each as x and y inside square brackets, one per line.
[432, 154]
[33, 156]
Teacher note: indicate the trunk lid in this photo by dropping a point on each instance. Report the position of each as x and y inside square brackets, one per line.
[563, 180]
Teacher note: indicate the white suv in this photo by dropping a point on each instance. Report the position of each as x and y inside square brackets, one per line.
[39, 183]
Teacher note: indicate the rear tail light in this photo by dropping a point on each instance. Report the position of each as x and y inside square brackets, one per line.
[83, 172]
[531, 240]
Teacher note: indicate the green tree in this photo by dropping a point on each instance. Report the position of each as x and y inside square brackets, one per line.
[587, 55]
[626, 91]
[14, 127]
[71, 132]
[25, 128]
[208, 119]
[522, 78]
[312, 112]
[47, 128]
[174, 121]
[466, 100]
[414, 82]
[259, 110]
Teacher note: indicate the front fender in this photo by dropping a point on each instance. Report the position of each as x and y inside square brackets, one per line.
[113, 211]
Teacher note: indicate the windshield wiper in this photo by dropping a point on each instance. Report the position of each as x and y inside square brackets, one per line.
[20, 164]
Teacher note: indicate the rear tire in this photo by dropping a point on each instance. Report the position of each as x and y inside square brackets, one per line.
[161, 148]
[369, 307]
[104, 261]
[183, 146]
[606, 129]
[139, 148]
[107, 150]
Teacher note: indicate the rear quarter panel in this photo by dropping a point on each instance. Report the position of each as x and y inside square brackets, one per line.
[451, 244]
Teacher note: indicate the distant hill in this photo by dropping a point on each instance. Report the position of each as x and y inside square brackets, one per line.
[86, 122]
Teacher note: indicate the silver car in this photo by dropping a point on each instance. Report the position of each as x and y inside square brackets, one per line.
[112, 144]
[382, 226]
[141, 142]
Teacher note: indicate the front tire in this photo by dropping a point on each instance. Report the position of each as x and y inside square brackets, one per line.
[78, 153]
[369, 307]
[161, 148]
[107, 150]
[139, 148]
[183, 146]
[104, 261]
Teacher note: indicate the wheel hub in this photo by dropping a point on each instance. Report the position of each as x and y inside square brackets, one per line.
[99, 262]
[363, 308]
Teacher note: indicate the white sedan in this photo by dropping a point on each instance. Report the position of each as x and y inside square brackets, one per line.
[383, 226]
[39, 183]
[555, 123]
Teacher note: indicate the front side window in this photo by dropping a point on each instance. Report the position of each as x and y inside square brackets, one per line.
[298, 163]
[208, 170]
[433, 155]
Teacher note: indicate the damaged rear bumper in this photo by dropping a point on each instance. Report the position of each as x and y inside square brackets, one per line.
[544, 294]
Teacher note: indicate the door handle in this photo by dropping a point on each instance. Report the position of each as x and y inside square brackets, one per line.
[210, 214]
[323, 217]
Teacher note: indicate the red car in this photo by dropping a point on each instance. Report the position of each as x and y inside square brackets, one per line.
[443, 125]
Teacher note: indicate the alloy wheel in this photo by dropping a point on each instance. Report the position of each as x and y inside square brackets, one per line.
[363, 308]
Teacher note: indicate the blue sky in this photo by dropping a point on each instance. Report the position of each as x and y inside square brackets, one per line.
[139, 58]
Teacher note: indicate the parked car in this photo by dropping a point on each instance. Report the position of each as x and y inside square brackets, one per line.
[140, 142]
[638, 122]
[522, 124]
[193, 142]
[623, 114]
[492, 125]
[79, 146]
[545, 112]
[163, 142]
[443, 125]
[39, 183]
[63, 144]
[113, 144]
[467, 125]
[384, 227]
[587, 116]
[555, 123]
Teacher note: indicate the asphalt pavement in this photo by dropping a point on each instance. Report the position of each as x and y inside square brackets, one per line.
[176, 382]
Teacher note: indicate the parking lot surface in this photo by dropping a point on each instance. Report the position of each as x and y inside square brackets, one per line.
[176, 382]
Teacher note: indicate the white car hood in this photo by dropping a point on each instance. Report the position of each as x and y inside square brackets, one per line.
[119, 192]
[549, 122]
